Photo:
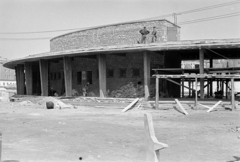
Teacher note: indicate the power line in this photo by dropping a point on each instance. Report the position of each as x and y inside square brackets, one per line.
[47, 31]
[208, 7]
[163, 16]
[21, 39]
[196, 10]
[210, 18]
[181, 23]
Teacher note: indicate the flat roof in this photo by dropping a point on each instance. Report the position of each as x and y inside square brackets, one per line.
[162, 46]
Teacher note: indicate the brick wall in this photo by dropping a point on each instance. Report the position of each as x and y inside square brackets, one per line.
[128, 61]
[120, 34]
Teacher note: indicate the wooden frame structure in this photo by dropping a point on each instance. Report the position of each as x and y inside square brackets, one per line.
[196, 77]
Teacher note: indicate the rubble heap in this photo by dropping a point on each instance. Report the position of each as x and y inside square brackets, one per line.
[57, 103]
[131, 91]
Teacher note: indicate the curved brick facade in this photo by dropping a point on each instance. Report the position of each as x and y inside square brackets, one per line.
[110, 35]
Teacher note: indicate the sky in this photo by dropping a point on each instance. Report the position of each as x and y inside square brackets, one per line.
[18, 16]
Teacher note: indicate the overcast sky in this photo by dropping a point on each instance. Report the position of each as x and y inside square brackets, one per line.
[48, 15]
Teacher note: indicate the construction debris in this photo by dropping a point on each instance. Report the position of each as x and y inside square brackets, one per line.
[131, 91]
[57, 103]
[26, 103]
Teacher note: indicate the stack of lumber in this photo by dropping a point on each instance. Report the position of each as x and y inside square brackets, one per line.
[99, 102]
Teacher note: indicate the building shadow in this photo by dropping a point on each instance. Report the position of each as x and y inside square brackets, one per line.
[236, 158]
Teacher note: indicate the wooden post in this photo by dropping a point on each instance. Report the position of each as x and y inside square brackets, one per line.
[146, 69]
[29, 78]
[232, 96]
[211, 80]
[222, 87]
[208, 85]
[193, 87]
[182, 87]
[189, 85]
[43, 65]
[0, 146]
[181, 107]
[67, 68]
[153, 146]
[201, 71]
[196, 95]
[20, 77]
[157, 93]
[226, 89]
[102, 75]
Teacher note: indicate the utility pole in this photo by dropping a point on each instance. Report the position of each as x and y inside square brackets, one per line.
[175, 18]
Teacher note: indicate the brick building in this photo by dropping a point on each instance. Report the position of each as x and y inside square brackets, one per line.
[109, 57]
[7, 76]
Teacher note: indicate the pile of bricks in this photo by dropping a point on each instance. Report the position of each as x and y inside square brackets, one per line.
[128, 91]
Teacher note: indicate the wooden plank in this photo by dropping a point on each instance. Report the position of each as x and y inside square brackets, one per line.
[146, 69]
[210, 108]
[181, 107]
[130, 105]
[206, 76]
[43, 65]
[0, 146]
[153, 146]
[219, 102]
[102, 75]
[196, 95]
[67, 68]
[233, 97]
[170, 80]
[157, 93]
[29, 78]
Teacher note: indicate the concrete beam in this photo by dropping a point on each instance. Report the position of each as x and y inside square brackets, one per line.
[43, 66]
[146, 70]
[20, 78]
[67, 66]
[102, 75]
[29, 78]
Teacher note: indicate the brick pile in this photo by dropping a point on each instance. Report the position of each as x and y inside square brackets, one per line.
[131, 91]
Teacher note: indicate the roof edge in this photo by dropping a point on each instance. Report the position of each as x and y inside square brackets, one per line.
[100, 26]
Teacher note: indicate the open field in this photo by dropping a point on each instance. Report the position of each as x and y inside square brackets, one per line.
[104, 134]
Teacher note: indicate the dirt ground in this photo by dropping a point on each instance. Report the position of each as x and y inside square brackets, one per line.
[103, 134]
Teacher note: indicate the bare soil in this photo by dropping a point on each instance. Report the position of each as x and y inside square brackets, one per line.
[104, 134]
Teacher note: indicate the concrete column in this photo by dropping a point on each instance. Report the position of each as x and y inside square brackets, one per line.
[20, 78]
[67, 66]
[201, 71]
[29, 77]
[43, 66]
[102, 75]
[146, 69]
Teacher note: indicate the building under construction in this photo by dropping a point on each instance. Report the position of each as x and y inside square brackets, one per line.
[106, 58]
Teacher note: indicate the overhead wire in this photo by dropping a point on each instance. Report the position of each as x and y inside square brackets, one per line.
[179, 13]
[210, 18]
[162, 16]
